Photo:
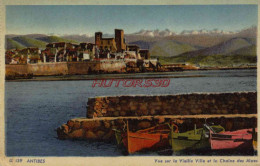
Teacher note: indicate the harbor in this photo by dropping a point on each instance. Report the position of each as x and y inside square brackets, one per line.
[167, 122]
[53, 103]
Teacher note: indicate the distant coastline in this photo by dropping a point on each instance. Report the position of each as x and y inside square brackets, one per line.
[148, 75]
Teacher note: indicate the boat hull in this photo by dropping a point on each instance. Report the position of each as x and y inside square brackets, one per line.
[180, 145]
[142, 141]
[191, 140]
[153, 138]
[232, 140]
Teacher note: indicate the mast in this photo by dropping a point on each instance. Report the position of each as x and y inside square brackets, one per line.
[127, 134]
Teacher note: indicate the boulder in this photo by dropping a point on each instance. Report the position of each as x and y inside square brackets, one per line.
[77, 134]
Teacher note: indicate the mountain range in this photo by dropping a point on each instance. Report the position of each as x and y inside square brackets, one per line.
[194, 46]
[235, 51]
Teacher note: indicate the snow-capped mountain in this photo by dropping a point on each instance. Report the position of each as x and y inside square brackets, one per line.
[167, 32]
[155, 33]
[204, 31]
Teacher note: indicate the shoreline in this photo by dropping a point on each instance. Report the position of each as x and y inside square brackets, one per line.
[148, 75]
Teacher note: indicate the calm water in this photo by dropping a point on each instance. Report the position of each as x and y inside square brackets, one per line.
[33, 110]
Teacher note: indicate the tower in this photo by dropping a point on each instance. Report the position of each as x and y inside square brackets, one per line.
[119, 38]
[98, 38]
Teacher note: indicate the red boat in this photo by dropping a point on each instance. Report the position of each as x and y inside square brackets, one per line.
[151, 138]
[231, 139]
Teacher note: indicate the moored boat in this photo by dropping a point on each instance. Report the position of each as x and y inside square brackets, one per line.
[153, 138]
[193, 139]
[231, 139]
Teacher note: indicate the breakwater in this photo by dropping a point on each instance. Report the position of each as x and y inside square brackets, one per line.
[101, 119]
[66, 68]
[183, 104]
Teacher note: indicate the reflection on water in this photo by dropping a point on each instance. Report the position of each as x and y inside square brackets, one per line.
[33, 110]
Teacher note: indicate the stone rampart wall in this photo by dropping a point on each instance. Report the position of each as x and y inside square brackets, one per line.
[66, 68]
[83, 67]
[113, 66]
[48, 68]
[16, 69]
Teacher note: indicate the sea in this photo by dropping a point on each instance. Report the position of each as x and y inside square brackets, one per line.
[35, 109]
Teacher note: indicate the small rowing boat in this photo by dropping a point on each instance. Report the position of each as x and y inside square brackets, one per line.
[231, 139]
[152, 138]
[193, 139]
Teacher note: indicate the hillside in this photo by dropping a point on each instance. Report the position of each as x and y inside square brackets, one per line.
[11, 44]
[222, 48]
[143, 44]
[165, 48]
[79, 38]
[52, 39]
[250, 50]
[244, 55]
[170, 48]
[29, 42]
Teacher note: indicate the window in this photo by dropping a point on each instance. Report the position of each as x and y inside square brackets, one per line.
[108, 42]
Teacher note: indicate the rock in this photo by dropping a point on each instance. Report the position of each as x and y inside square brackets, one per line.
[109, 135]
[110, 109]
[118, 108]
[90, 125]
[243, 99]
[184, 113]
[143, 107]
[152, 112]
[161, 120]
[76, 125]
[104, 105]
[224, 112]
[133, 108]
[61, 134]
[70, 123]
[199, 111]
[95, 114]
[122, 113]
[193, 111]
[90, 135]
[144, 112]
[100, 134]
[97, 106]
[116, 113]
[65, 128]
[103, 111]
[76, 133]
[99, 99]
[106, 124]
[181, 104]
[139, 113]
[235, 111]
[90, 113]
[99, 114]
[164, 113]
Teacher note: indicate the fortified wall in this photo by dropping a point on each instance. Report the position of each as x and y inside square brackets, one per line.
[66, 68]
[231, 110]
[47, 69]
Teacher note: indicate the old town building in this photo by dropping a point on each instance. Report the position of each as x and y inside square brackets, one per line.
[116, 44]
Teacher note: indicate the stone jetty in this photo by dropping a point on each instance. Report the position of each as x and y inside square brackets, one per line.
[231, 110]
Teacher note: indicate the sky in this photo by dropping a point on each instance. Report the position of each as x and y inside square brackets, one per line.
[90, 19]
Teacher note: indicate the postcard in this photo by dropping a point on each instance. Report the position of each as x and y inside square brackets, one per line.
[129, 83]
